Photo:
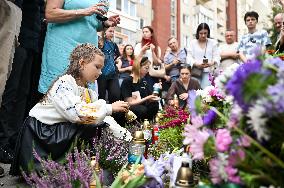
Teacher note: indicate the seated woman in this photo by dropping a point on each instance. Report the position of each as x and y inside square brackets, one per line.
[181, 87]
[136, 91]
[68, 110]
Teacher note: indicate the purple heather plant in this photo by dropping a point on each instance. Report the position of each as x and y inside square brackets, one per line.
[77, 170]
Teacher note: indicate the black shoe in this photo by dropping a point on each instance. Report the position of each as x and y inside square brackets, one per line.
[1, 172]
[6, 155]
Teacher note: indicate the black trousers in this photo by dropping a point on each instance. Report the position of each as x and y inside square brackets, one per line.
[145, 111]
[111, 85]
[15, 96]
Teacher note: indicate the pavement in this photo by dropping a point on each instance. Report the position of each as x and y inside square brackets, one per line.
[11, 181]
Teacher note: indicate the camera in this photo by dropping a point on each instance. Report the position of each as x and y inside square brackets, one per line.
[205, 60]
[104, 8]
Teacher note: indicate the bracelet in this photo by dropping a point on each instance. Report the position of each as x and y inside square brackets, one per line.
[76, 12]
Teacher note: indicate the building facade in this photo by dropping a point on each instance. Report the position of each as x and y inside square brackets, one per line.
[262, 7]
[180, 18]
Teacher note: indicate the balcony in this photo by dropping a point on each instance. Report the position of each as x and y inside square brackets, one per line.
[220, 21]
[199, 9]
[201, 2]
[126, 21]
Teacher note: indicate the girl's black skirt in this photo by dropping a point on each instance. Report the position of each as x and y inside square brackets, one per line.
[48, 141]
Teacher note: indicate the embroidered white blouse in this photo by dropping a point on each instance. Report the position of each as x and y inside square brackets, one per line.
[68, 102]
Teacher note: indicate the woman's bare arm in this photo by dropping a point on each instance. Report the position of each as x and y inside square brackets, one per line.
[55, 13]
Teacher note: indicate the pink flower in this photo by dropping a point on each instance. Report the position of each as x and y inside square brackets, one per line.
[236, 156]
[223, 140]
[197, 121]
[244, 141]
[196, 147]
[232, 174]
[214, 171]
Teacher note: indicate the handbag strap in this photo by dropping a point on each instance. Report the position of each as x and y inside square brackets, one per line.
[205, 49]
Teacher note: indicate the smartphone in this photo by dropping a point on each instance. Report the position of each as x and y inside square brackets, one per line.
[205, 60]
[106, 2]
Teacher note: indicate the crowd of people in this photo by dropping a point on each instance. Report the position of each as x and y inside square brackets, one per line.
[65, 81]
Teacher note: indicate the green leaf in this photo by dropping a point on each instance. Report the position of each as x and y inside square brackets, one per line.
[198, 104]
[136, 182]
[256, 85]
[76, 184]
[98, 183]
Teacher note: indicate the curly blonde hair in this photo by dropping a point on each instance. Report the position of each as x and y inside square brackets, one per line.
[86, 52]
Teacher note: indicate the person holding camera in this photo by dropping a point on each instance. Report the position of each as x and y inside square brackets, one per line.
[279, 28]
[69, 23]
[203, 55]
[174, 58]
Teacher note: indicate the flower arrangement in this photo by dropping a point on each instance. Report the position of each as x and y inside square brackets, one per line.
[76, 170]
[205, 101]
[249, 149]
[111, 153]
[170, 132]
[173, 117]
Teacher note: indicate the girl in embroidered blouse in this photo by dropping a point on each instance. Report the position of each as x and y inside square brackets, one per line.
[68, 110]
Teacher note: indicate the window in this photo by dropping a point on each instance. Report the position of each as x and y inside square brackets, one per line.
[112, 4]
[185, 19]
[186, 2]
[173, 6]
[186, 41]
[118, 4]
[132, 9]
[142, 2]
[125, 6]
[173, 25]
[141, 23]
[118, 40]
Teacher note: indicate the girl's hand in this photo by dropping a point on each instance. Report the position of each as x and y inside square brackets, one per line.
[120, 106]
[183, 96]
